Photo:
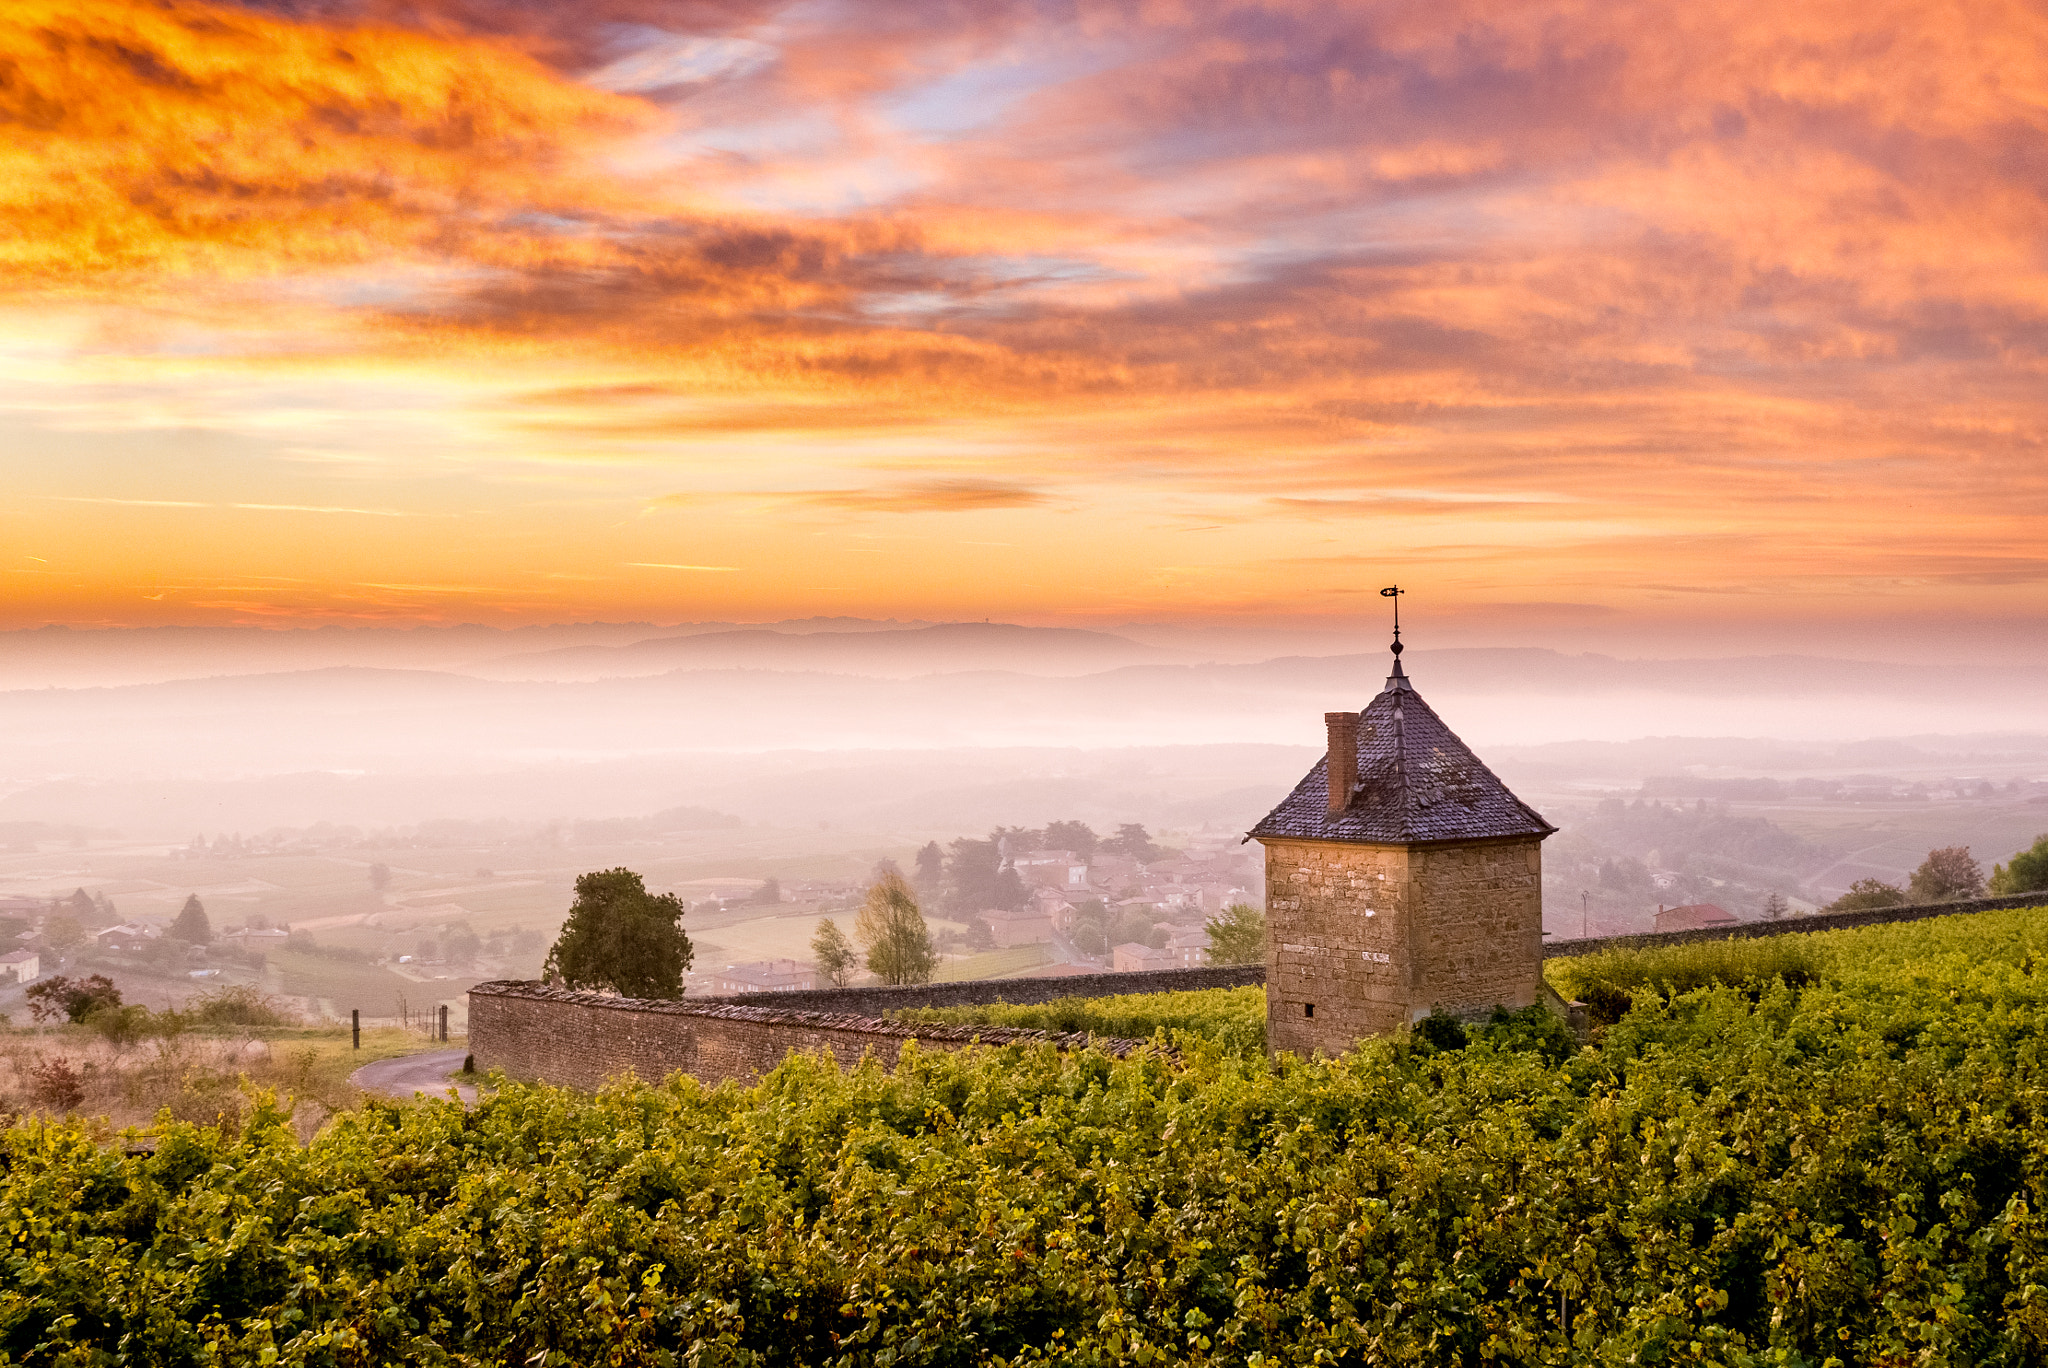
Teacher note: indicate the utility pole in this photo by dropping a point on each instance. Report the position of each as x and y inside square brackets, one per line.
[1585, 916]
[355, 1027]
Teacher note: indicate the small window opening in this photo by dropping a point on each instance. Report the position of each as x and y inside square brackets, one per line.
[1308, 1009]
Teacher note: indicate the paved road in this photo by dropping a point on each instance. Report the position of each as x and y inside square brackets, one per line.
[403, 1076]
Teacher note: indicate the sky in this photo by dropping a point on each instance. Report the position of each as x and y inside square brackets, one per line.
[1693, 326]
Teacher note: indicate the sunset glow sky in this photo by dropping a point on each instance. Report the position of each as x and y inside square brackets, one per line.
[1710, 322]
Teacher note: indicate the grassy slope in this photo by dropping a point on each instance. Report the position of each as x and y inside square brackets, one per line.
[993, 963]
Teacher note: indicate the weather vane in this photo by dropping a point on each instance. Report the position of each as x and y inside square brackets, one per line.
[1397, 679]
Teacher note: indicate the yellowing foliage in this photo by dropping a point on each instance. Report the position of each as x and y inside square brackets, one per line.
[1852, 1170]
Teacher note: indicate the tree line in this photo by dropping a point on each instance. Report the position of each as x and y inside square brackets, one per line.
[621, 938]
[1951, 874]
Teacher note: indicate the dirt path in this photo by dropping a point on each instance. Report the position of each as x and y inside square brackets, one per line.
[405, 1076]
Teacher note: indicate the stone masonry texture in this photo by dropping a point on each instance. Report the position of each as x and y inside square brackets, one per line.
[981, 992]
[581, 1040]
[1362, 939]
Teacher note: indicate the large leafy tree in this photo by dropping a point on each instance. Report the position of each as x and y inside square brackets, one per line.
[621, 937]
[2026, 872]
[1237, 935]
[931, 868]
[1133, 840]
[90, 911]
[61, 931]
[1074, 836]
[892, 930]
[192, 927]
[1008, 892]
[1867, 895]
[835, 955]
[971, 868]
[1946, 875]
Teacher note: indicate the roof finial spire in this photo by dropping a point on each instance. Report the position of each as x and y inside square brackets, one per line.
[1396, 680]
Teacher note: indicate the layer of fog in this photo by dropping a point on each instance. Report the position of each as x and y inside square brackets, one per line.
[874, 723]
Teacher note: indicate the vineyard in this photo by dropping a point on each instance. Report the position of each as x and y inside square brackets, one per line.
[1832, 1150]
[1234, 1017]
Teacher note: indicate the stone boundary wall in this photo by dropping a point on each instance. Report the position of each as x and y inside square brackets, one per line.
[580, 1040]
[1021, 992]
[1826, 921]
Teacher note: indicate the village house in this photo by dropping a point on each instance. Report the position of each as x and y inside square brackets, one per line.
[1133, 956]
[20, 966]
[766, 976]
[1181, 899]
[1694, 917]
[268, 936]
[1056, 869]
[1110, 875]
[1057, 909]
[1021, 926]
[1188, 947]
[1144, 905]
[126, 936]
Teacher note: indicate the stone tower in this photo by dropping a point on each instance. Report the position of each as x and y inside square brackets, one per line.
[1401, 876]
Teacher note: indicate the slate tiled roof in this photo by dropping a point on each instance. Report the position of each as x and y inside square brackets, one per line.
[1417, 782]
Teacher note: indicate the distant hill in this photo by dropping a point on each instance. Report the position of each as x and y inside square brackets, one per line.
[382, 745]
[944, 648]
[88, 657]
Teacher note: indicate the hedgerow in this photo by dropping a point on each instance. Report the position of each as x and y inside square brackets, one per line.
[1850, 1170]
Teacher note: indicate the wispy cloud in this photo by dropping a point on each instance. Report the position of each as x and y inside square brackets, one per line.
[664, 565]
[131, 503]
[923, 496]
[324, 508]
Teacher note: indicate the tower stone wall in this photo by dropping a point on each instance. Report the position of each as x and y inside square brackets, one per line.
[1479, 917]
[1362, 939]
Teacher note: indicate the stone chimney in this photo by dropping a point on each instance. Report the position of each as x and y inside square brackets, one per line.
[1343, 758]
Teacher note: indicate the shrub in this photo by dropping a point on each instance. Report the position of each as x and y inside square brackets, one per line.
[1946, 875]
[53, 1083]
[123, 1026]
[2027, 870]
[1868, 895]
[72, 999]
[1605, 1004]
[1535, 1029]
[1441, 1031]
[238, 1004]
[1237, 935]
[1615, 976]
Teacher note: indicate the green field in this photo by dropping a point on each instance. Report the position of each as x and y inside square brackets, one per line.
[993, 963]
[1825, 1151]
[369, 988]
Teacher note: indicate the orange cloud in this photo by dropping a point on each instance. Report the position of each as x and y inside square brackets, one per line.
[927, 496]
[198, 139]
[1536, 295]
